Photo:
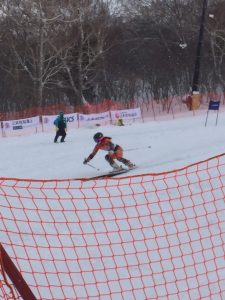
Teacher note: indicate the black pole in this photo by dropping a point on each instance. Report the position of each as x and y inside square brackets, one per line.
[195, 85]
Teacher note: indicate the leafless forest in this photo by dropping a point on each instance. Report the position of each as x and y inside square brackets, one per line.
[72, 52]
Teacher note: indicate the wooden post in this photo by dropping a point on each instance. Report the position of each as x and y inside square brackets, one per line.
[15, 276]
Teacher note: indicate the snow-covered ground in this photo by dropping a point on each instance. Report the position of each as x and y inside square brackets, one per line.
[155, 146]
[84, 233]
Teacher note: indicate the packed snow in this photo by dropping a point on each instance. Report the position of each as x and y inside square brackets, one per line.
[154, 146]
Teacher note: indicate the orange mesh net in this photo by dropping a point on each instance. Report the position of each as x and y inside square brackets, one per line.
[152, 236]
[105, 105]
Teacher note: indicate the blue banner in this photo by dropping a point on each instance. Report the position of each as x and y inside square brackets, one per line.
[214, 105]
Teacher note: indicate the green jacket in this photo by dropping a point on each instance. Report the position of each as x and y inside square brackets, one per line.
[60, 122]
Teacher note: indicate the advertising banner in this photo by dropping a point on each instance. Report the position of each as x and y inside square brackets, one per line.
[94, 119]
[48, 121]
[214, 105]
[126, 114]
[20, 124]
[74, 120]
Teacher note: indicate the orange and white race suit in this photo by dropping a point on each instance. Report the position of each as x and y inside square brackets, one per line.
[114, 151]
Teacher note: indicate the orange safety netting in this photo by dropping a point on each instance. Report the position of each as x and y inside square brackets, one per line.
[152, 236]
[102, 106]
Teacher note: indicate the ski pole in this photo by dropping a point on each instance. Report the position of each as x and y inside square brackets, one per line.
[92, 166]
[138, 148]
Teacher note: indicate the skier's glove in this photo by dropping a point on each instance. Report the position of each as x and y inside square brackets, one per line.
[86, 160]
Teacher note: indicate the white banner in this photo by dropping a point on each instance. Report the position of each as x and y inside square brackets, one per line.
[74, 120]
[94, 119]
[126, 114]
[21, 124]
[48, 121]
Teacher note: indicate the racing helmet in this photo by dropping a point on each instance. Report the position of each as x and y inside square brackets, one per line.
[97, 137]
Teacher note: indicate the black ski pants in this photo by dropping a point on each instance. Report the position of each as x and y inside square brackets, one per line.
[62, 133]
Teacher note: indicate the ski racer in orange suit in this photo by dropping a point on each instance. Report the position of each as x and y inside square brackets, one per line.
[114, 151]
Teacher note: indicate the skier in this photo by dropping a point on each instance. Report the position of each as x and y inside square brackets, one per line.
[61, 127]
[114, 152]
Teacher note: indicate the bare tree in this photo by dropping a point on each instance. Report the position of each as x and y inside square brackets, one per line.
[30, 32]
[216, 31]
[66, 51]
[89, 25]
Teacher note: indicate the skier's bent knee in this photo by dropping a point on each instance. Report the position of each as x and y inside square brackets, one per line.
[109, 159]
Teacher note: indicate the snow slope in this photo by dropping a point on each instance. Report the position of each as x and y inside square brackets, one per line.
[173, 144]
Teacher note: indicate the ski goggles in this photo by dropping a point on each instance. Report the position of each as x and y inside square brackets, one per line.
[98, 140]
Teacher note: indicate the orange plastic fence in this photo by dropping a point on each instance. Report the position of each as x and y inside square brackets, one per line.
[152, 106]
[104, 105]
[152, 236]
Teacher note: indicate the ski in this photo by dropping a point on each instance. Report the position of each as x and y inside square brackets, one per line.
[109, 174]
[120, 171]
[112, 173]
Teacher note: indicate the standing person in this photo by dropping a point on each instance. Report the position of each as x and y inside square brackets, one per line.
[114, 151]
[61, 127]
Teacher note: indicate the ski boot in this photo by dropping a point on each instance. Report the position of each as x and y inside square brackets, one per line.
[130, 165]
[115, 167]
